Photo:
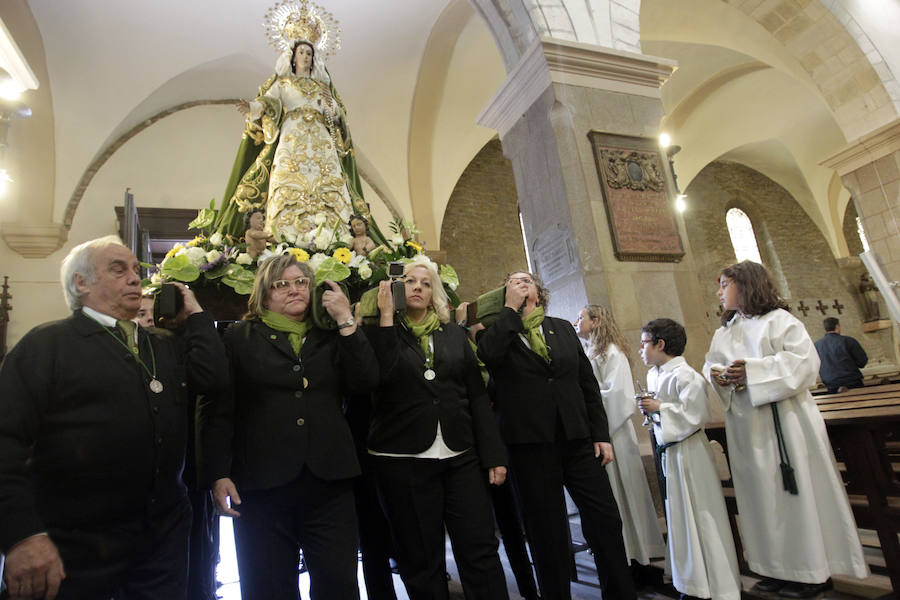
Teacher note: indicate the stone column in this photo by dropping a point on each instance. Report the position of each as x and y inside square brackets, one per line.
[558, 93]
[870, 168]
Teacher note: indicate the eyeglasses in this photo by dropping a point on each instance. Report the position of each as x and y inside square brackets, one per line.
[283, 285]
[526, 280]
[645, 342]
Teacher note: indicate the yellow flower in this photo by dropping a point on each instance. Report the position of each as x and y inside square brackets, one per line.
[174, 250]
[343, 255]
[299, 253]
[415, 245]
[197, 240]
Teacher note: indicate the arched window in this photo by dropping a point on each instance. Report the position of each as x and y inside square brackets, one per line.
[742, 237]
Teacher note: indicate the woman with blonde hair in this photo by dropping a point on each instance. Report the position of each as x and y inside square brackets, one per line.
[606, 349]
[434, 442]
[277, 451]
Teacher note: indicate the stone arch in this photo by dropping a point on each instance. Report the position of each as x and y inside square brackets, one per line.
[829, 45]
[515, 24]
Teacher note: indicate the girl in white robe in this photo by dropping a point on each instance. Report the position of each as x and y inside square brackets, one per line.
[612, 368]
[763, 357]
[700, 554]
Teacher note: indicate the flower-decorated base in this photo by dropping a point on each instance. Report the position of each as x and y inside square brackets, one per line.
[221, 301]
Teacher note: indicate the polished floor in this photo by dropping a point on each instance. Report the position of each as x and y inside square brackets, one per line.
[877, 586]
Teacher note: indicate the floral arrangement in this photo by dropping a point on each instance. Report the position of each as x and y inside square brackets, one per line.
[212, 258]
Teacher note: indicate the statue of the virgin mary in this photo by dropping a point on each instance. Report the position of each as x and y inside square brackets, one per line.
[296, 157]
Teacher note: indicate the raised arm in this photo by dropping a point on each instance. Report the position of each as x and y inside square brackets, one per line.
[789, 370]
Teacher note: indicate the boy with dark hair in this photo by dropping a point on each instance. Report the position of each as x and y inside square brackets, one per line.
[700, 551]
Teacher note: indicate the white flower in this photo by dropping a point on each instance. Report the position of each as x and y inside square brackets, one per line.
[345, 236]
[320, 218]
[213, 255]
[356, 260]
[398, 240]
[453, 285]
[287, 232]
[365, 271]
[307, 237]
[269, 252]
[216, 239]
[156, 278]
[243, 259]
[323, 240]
[196, 255]
[316, 261]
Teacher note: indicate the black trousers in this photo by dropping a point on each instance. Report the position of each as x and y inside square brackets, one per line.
[374, 536]
[308, 513]
[509, 522]
[420, 498]
[204, 547]
[144, 559]
[540, 471]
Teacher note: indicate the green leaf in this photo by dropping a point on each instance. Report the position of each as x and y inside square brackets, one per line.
[180, 269]
[333, 269]
[239, 279]
[147, 265]
[449, 276]
[451, 295]
[212, 204]
[205, 218]
[219, 271]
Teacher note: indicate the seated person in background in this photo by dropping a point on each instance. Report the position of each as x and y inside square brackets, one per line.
[700, 553]
[842, 358]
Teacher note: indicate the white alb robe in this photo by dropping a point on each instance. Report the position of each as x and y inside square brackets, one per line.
[700, 554]
[804, 537]
[640, 526]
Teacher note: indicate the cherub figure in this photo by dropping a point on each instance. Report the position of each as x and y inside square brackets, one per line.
[255, 236]
[361, 242]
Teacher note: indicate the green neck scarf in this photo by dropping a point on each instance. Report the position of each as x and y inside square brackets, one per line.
[296, 330]
[532, 325]
[422, 330]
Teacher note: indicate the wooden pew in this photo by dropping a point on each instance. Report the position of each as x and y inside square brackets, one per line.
[864, 428]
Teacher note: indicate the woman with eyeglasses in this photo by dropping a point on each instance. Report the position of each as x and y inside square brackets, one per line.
[551, 417]
[434, 443]
[278, 452]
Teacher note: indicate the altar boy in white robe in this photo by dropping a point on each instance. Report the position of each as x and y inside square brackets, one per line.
[700, 553]
[606, 347]
[797, 527]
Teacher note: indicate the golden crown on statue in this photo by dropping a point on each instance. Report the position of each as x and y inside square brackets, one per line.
[292, 21]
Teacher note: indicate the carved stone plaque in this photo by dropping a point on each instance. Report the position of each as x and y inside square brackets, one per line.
[640, 212]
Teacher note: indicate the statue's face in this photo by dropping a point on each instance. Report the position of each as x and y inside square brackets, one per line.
[303, 57]
[257, 220]
[358, 227]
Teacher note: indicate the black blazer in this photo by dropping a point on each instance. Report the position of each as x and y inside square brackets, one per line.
[530, 394]
[284, 412]
[84, 442]
[407, 406]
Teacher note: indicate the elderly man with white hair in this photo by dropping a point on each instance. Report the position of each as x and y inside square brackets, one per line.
[93, 423]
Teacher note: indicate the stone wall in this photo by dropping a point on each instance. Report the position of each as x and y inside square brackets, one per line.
[790, 245]
[481, 233]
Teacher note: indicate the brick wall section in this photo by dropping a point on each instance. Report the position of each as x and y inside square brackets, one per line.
[480, 230]
[786, 237]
